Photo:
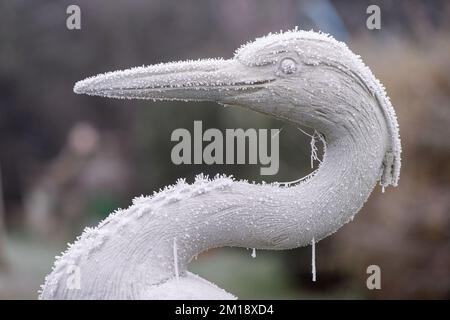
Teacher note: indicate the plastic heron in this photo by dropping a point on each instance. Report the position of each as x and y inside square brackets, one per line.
[304, 78]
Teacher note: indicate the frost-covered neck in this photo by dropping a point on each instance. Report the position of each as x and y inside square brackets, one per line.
[132, 251]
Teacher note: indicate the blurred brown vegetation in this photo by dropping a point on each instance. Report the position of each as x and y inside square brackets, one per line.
[66, 161]
[406, 230]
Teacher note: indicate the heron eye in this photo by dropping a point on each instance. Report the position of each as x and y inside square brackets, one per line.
[288, 66]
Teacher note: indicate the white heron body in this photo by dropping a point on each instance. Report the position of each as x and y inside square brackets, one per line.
[302, 77]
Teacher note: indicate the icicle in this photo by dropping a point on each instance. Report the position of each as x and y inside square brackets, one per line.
[313, 150]
[314, 156]
[313, 260]
[254, 253]
[175, 258]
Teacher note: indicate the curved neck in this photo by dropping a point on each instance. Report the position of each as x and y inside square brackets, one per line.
[137, 245]
[273, 217]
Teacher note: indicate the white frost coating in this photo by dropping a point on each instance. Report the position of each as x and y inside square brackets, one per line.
[313, 259]
[130, 255]
[190, 287]
[175, 259]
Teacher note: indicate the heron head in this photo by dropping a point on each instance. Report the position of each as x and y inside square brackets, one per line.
[286, 67]
[291, 75]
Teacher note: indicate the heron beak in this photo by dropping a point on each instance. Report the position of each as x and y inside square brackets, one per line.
[212, 80]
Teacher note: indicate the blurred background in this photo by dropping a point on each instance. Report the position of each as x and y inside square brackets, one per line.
[67, 161]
